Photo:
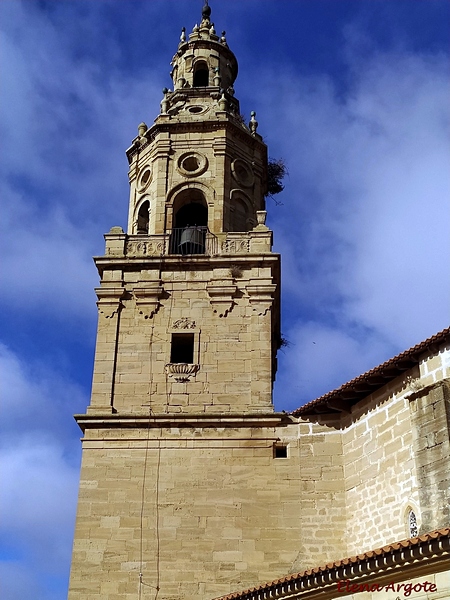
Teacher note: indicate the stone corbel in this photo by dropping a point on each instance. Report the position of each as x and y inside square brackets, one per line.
[109, 300]
[147, 297]
[181, 372]
[221, 293]
[261, 297]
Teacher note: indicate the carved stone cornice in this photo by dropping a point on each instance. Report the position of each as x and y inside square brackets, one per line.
[260, 296]
[221, 293]
[147, 296]
[109, 300]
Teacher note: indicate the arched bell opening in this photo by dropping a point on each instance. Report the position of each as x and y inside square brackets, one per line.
[201, 74]
[190, 223]
[143, 218]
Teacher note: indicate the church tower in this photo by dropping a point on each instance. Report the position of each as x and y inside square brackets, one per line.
[189, 296]
[179, 472]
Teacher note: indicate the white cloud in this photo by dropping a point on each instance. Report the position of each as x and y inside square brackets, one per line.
[47, 265]
[37, 502]
[319, 358]
[364, 222]
[38, 499]
[39, 453]
[65, 172]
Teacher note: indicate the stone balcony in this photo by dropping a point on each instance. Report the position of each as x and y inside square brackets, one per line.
[257, 241]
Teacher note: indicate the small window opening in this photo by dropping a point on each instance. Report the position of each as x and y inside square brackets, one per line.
[190, 163]
[143, 218]
[412, 524]
[182, 348]
[201, 75]
[280, 451]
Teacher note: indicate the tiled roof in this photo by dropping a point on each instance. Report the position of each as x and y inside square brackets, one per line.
[355, 390]
[435, 543]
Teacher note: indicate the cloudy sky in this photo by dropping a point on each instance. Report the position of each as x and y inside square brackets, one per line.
[353, 95]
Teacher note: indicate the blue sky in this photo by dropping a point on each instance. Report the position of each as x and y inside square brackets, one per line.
[353, 95]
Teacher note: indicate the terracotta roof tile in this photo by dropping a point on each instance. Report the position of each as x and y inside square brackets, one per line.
[375, 378]
[439, 533]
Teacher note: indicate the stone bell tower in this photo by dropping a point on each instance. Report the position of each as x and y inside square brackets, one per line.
[189, 295]
[186, 352]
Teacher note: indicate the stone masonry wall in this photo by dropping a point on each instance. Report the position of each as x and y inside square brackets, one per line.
[233, 352]
[208, 510]
[322, 496]
[430, 413]
[383, 470]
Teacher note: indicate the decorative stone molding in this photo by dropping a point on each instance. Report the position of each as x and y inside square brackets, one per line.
[181, 372]
[221, 293]
[236, 246]
[109, 300]
[146, 248]
[184, 323]
[147, 297]
[261, 297]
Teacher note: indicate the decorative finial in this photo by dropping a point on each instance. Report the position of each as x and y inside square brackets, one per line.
[223, 39]
[253, 125]
[206, 11]
[183, 35]
[142, 128]
[164, 101]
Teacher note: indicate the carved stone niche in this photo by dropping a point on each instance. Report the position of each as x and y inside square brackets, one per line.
[147, 297]
[109, 300]
[261, 296]
[221, 293]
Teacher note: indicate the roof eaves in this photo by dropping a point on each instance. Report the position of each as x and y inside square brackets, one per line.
[373, 561]
[372, 380]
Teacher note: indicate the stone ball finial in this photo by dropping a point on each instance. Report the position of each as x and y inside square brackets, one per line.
[223, 39]
[183, 35]
[142, 128]
[206, 11]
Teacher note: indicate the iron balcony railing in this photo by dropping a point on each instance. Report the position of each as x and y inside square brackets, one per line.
[192, 239]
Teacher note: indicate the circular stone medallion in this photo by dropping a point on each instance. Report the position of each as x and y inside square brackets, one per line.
[242, 172]
[192, 164]
[144, 178]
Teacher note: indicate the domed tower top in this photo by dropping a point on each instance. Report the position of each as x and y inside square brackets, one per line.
[204, 61]
[199, 164]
